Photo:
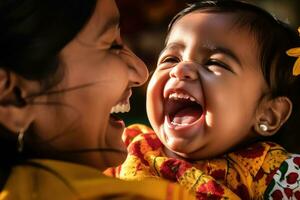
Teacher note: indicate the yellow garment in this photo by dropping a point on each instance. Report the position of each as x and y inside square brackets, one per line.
[49, 179]
[242, 174]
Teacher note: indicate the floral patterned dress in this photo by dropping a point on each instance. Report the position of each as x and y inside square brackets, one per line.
[263, 170]
[286, 181]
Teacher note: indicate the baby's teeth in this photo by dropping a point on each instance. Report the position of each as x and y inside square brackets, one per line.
[181, 96]
[192, 99]
[176, 124]
[174, 96]
[120, 108]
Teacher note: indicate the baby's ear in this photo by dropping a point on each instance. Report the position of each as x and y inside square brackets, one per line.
[272, 114]
[14, 111]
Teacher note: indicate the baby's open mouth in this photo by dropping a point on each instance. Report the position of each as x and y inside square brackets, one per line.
[182, 109]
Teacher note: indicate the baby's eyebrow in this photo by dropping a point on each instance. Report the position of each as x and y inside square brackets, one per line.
[211, 47]
[214, 49]
[172, 47]
[228, 52]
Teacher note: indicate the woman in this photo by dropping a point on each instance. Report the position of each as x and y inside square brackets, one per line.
[63, 70]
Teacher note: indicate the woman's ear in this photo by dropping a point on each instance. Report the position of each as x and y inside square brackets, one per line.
[272, 114]
[15, 113]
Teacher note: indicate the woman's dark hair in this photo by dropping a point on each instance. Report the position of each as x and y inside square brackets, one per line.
[274, 38]
[32, 33]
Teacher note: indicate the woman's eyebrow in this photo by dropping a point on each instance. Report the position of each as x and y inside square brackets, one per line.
[111, 23]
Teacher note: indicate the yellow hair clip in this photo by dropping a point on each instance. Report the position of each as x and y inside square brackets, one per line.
[295, 52]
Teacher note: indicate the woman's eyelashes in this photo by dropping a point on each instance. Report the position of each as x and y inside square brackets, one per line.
[117, 43]
[116, 46]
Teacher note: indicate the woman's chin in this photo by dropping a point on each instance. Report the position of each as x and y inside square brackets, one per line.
[117, 149]
[116, 122]
[114, 133]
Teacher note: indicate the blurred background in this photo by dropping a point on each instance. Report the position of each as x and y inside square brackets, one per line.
[144, 25]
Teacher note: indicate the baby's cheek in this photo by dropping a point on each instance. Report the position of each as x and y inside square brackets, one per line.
[155, 102]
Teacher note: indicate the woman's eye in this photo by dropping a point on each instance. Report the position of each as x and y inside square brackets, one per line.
[116, 46]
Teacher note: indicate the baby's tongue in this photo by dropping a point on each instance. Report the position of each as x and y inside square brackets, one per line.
[187, 115]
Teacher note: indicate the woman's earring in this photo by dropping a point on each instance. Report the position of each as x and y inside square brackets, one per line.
[263, 127]
[20, 141]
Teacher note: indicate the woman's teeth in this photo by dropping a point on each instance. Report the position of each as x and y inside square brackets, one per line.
[120, 108]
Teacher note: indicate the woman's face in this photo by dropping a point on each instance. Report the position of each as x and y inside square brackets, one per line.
[99, 73]
[203, 96]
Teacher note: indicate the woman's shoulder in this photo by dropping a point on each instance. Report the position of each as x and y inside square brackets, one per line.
[46, 179]
[51, 179]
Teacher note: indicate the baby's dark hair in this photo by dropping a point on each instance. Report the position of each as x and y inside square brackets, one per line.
[274, 38]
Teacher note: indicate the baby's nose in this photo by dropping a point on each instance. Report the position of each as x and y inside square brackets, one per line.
[184, 71]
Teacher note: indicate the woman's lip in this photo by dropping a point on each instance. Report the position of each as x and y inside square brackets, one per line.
[116, 122]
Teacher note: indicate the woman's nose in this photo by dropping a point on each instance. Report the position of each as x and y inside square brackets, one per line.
[184, 71]
[138, 72]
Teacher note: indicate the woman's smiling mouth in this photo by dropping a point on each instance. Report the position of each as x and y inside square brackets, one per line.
[123, 106]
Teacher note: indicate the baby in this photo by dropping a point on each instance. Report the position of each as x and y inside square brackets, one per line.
[223, 104]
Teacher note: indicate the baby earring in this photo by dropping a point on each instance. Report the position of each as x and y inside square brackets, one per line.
[263, 127]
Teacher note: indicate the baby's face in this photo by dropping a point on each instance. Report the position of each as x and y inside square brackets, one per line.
[203, 96]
